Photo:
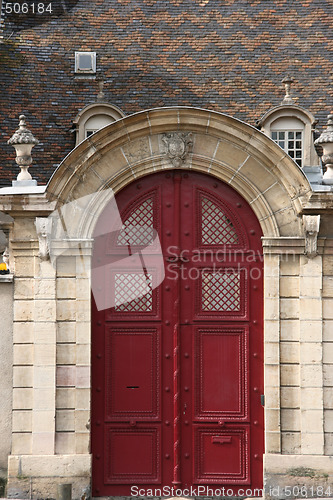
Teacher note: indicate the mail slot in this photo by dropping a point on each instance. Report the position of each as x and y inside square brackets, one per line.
[221, 439]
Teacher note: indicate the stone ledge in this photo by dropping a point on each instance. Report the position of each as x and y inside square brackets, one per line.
[6, 278]
[42, 465]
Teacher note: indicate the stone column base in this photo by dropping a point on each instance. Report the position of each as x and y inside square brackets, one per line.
[38, 476]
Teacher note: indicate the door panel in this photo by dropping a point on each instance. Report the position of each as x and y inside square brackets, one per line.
[221, 371]
[177, 369]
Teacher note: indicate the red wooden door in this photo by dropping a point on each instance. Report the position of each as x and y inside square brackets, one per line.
[177, 369]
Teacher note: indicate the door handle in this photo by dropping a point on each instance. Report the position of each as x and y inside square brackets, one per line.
[221, 439]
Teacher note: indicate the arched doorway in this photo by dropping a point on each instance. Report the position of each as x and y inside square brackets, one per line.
[177, 371]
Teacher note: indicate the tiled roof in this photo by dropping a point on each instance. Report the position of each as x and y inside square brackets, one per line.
[230, 56]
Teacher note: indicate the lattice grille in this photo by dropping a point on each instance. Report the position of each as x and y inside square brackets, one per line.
[138, 227]
[133, 292]
[221, 291]
[216, 228]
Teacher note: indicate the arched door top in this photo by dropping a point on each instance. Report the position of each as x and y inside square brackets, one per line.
[188, 138]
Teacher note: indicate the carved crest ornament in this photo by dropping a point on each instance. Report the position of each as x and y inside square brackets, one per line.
[178, 145]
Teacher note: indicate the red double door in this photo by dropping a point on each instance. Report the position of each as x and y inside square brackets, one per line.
[177, 368]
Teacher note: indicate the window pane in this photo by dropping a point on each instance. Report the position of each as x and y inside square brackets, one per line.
[299, 135]
[281, 144]
[298, 154]
[298, 145]
[281, 136]
[291, 144]
[290, 135]
[274, 136]
[291, 153]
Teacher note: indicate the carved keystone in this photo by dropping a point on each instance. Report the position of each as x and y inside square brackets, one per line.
[311, 228]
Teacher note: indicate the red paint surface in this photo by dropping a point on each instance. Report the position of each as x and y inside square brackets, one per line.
[176, 388]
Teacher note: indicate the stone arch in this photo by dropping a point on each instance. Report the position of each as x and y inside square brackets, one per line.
[222, 146]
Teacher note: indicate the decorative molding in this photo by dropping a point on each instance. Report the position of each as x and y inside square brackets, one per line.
[311, 228]
[177, 145]
[43, 227]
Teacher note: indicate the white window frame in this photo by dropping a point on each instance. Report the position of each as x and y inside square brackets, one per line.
[83, 71]
[90, 111]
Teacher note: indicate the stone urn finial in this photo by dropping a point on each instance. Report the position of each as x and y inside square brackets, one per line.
[23, 141]
[325, 140]
[288, 80]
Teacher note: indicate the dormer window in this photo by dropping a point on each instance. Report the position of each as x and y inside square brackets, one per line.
[85, 63]
[94, 117]
[288, 134]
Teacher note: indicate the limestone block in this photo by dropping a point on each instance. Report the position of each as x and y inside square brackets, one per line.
[291, 443]
[23, 310]
[83, 332]
[327, 308]
[328, 420]
[23, 354]
[82, 399]
[69, 465]
[311, 331]
[328, 398]
[311, 352]
[271, 264]
[45, 288]
[43, 421]
[272, 420]
[289, 265]
[82, 420]
[272, 375]
[65, 398]
[280, 464]
[83, 310]
[64, 443]
[45, 269]
[66, 267]
[45, 332]
[45, 310]
[290, 397]
[290, 420]
[66, 331]
[22, 421]
[289, 308]
[272, 354]
[328, 439]
[310, 309]
[44, 354]
[82, 442]
[289, 286]
[83, 289]
[312, 421]
[66, 376]
[24, 267]
[83, 377]
[328, 330]
[66, 288]
[290, 329]
[66, 310]
[310, 286]
[311, 398]
[258, 173]
[24, 288]
[22, 376]
[328, 352]
[42, 443]
[290, 375]
[271, 309]
[328, 265]
[272, 397]
[272, 442]
[23, 333]
[272, 330]
[44, 398]
[271, 287]
[310, 267]
[83, 266]
[83, 354]
[21, 443]
[65, 420]
[328, 375]
[66, 354]
[44, 376]
[288, 222]
[289, 352]
[311, 375]
[312, 443]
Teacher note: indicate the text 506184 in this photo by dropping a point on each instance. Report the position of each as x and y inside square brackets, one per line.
[28, 8]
